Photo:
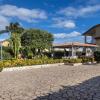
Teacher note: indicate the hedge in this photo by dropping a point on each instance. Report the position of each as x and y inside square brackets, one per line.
[97, 56]
[29, 62]
[73, 61]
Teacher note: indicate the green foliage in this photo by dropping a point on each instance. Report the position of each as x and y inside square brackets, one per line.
[34, 38]
[97, 56]
[80, 60]
[73, 61]
[1, 68]
[7, 53]
[30, 55]
[43, 60]
[28, 62]
[27, 52]
[87, 59]
[28, 43]
[15, 40]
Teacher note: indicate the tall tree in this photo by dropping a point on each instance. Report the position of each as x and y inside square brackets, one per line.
[37, 39]
[15, 33]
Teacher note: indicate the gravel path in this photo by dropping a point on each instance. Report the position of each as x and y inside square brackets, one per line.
[54, 83]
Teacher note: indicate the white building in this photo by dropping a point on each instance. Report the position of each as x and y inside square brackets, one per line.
[94, 32]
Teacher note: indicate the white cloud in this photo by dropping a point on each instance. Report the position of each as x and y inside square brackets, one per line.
[4, 22]
[22, 13]
[80, 11]
[65, 35]
[63, 23]
[7, 12]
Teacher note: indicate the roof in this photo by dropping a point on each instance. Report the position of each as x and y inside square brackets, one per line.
[92, 30]
[75, 44]
[4, 43]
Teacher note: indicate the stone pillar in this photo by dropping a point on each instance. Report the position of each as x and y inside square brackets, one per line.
[85, 48]
[73, 52]
[64, 52]
[52, 52]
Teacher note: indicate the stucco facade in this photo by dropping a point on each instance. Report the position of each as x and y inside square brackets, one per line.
[95, 33]
[98, 42]
[4, 43]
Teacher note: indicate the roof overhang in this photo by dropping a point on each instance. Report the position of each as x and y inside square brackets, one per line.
[97, 38]
[91, 31]
[74, 44]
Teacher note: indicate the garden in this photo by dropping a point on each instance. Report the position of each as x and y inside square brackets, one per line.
[34, 47]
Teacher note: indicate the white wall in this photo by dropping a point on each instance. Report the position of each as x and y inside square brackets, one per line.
[97, 32]
[98, 42]
[97, 35]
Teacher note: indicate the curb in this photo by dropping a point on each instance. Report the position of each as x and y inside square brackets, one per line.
[73, 64]
[30, 67]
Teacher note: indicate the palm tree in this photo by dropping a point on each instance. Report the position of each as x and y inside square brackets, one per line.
[15, 34]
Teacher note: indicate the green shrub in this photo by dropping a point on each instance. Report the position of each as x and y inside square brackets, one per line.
[6, 55]
[73, 61]
[43, 60]
[87, 59]
[1, 68]
[28, 62]
[97, 56]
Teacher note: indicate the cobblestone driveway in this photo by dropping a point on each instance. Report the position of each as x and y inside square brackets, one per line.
[54, 83]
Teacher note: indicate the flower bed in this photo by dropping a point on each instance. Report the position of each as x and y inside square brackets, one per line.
[79, 61]
[73, 62]
[87, 59]
[30, 62]
[27, 62]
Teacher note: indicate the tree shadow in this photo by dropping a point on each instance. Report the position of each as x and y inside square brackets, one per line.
[87, 90]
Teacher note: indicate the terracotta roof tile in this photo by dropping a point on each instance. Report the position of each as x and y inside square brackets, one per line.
[74, 44]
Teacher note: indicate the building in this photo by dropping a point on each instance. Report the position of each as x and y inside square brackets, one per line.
[94, 32]
[4, 43]
[74, 47]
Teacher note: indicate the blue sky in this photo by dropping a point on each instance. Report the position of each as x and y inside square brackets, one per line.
[65, 19]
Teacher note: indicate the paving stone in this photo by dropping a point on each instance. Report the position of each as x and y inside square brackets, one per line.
[53, 83]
